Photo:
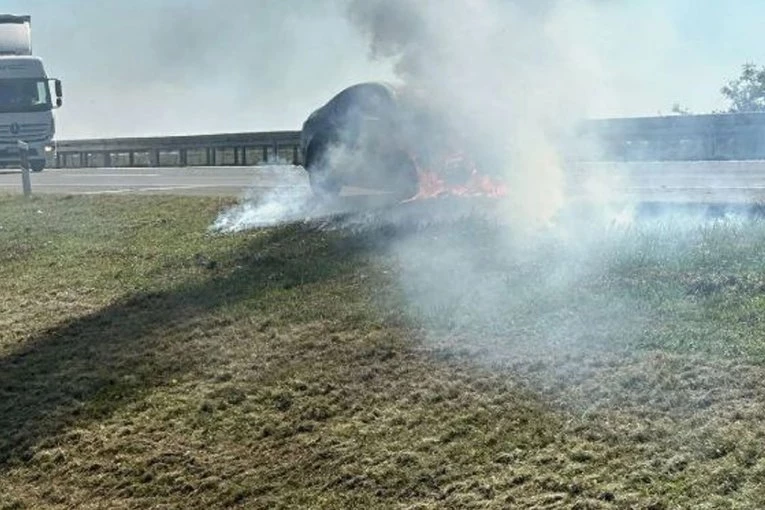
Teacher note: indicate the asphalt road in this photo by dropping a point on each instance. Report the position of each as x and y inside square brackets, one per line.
[166, 180]
[736, 181]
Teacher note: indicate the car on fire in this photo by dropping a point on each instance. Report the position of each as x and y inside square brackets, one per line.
[378, 136]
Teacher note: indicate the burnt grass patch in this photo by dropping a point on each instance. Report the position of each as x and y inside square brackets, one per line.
[363, 362]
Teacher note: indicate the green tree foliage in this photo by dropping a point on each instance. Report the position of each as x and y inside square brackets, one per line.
[747, 92]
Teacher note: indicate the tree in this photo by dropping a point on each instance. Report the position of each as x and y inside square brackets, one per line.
[747, 92]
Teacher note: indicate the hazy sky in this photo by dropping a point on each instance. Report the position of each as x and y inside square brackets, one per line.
[144, 67]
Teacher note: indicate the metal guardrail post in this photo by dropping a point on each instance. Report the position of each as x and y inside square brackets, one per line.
[26, 183]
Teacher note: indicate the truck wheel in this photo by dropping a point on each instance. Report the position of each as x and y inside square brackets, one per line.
[323, 183]
[37, 165]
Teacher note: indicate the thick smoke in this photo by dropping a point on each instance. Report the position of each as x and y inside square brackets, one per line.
[512, 77]
[257, 210]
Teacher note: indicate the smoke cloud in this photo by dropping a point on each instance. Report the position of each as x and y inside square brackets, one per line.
[524, 275]
[536, 280]
[511, 77]
[514, 79]
[257, 210]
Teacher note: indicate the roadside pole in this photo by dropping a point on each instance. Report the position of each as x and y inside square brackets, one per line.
[26, 183]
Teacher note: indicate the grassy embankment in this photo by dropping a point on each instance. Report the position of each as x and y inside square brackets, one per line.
[147, 364]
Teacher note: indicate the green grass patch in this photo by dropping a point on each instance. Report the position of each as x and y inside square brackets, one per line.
[147, 363]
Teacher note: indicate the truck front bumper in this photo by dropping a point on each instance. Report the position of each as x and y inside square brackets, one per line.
[9, 154]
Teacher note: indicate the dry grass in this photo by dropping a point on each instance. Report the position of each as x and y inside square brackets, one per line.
[146, 364]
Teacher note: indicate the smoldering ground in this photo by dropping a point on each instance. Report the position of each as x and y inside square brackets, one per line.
[478, 282]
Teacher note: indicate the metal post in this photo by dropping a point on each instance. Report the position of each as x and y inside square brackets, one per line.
[26, 184]
[131, 158]
[183, 157]
[107, 159]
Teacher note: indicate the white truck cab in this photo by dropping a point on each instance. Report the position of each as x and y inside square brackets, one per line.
[26, 99]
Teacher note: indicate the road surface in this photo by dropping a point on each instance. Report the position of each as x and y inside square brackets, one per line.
[734, 181]
[186, 181]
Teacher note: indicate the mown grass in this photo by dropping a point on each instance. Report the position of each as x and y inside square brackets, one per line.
[145, 363]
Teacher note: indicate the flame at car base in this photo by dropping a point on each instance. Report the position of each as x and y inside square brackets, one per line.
[457, 176]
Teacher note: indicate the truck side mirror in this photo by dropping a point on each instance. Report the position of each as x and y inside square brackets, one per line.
[59, 93]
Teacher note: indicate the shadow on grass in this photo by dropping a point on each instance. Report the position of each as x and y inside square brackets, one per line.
[85, 369]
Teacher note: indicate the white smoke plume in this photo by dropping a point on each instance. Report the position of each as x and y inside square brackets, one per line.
[510, 78]
[523, 277]
[265, 210]
[513, 77]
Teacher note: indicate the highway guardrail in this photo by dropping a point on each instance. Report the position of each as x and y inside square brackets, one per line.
[669, 138]
[245, 149]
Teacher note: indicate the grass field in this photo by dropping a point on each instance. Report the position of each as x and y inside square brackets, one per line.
[146, 363]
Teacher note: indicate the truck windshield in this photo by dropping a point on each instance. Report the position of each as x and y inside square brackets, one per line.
[24, 95]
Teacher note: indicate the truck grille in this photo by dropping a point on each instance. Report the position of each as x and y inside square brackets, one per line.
[27, 132]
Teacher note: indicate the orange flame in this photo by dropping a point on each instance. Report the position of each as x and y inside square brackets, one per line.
[435, 184]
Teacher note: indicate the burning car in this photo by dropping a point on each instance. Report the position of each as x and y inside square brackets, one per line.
[377, 136]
